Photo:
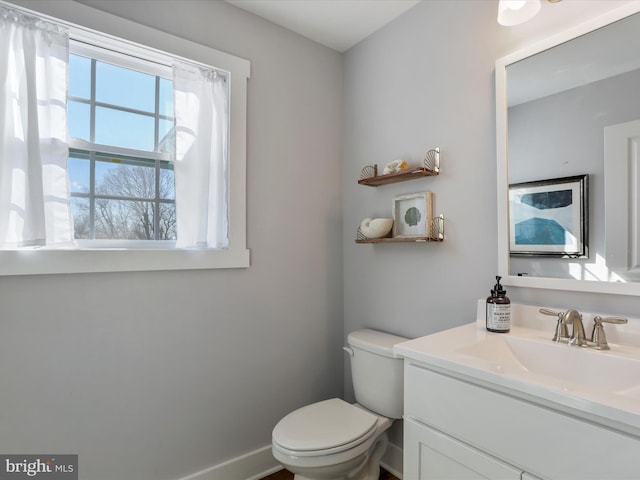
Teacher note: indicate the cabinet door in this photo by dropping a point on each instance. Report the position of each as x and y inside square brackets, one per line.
[431, 455]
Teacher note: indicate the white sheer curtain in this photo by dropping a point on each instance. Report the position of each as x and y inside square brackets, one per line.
[34, 187]
[201, 167]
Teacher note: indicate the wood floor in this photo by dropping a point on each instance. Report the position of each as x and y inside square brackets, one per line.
[286, 475]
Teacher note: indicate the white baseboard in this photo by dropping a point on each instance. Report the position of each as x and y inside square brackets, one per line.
[251, 466]
[260, 463]
[392, 460]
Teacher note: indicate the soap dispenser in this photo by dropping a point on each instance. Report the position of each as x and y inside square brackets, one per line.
[498, 309]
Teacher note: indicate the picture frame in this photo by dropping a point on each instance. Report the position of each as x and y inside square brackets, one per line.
[549, 217]
[413, 215]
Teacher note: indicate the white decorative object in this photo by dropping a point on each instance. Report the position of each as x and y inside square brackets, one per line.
[395, 167]
[376, 228]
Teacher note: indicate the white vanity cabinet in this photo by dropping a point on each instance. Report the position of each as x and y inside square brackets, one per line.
[430, 454]
[457, 428]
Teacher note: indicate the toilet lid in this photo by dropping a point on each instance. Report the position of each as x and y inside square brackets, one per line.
[323, 425]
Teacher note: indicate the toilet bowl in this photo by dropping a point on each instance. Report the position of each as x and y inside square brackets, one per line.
[336, 440]
[345, 440]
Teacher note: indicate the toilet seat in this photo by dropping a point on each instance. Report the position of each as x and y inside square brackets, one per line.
[324, 428]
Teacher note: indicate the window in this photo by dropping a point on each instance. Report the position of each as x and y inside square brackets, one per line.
[122, 143]
[124, 150]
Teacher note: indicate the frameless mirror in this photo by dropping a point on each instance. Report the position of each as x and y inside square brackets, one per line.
[568, 141]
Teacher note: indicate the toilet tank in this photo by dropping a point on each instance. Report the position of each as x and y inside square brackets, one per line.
[377, 373]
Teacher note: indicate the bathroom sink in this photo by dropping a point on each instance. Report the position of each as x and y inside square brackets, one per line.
[559, 364]
[599, 385]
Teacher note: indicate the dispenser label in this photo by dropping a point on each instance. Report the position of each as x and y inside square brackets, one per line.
[498, 316]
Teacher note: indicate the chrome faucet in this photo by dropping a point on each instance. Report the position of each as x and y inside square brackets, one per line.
[570, 317]
[577, 337]
[573, 318]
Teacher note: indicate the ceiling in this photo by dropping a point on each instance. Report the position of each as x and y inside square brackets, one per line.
[337, 24]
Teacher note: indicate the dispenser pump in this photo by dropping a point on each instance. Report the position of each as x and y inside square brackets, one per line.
[498, 290]
[498, 309]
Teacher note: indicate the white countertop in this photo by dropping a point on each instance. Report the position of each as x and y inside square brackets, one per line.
[600, 386]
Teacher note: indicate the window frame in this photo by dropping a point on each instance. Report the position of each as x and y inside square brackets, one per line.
[95, 151]
[88, 25]
[157, 67]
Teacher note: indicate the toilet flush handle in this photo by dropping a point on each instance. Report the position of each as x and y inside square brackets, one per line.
[349, 350]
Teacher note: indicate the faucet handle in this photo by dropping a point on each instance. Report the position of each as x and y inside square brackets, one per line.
[561, 328]
[597, 336]
[616, 320]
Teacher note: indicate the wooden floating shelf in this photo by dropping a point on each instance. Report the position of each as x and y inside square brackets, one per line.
[397, 177]
[436, 234]
[399, 240]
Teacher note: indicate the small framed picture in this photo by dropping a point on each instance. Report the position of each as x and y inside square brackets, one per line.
[549, 217]
[413, 215]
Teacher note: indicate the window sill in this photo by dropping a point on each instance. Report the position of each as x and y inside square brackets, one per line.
[40, 262]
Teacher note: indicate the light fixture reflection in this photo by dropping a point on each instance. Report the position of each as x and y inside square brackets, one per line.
[514, 12]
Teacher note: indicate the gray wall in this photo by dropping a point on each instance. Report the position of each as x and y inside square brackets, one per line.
[427, 80]
[424, 81]
[159, 375]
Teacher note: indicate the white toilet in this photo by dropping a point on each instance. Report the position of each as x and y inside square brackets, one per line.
[335, 440]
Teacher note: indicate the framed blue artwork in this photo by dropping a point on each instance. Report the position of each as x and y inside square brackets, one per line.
[549, 217]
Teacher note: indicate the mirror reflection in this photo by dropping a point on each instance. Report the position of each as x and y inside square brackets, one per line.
[574, 113]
